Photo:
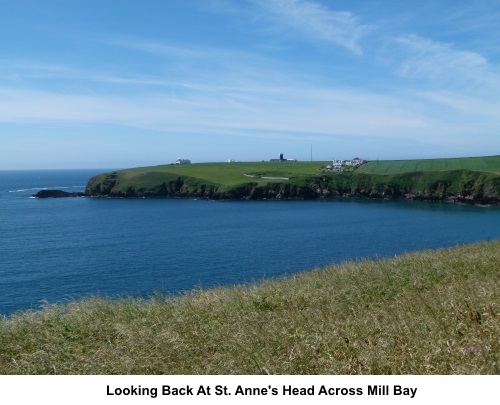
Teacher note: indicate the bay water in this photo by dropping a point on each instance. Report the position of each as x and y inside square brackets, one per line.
[55, 250]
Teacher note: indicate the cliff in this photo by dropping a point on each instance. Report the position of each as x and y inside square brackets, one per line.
[465, 186]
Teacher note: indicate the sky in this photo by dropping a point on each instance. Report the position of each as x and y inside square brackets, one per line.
[125, 83]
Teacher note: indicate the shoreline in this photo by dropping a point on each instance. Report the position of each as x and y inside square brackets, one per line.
[46, 194]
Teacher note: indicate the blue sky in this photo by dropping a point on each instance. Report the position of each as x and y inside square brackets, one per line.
[122, 83]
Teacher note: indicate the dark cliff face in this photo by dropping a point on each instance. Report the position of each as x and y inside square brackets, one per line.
[101, 185]
[184, 188]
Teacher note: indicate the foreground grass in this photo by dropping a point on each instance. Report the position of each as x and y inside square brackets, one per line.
[433, 312]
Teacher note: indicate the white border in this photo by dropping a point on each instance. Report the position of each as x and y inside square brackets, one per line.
[55, 390]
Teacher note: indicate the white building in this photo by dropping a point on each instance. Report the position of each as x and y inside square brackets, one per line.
[337, 166]
[182, 161]
[358, 161]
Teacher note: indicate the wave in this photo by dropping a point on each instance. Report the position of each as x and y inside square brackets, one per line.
[24, 189]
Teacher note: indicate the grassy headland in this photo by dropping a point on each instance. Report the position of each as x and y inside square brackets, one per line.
[432, 312]
[469, 180]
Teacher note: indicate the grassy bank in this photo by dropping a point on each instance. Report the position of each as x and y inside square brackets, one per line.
[432, 312]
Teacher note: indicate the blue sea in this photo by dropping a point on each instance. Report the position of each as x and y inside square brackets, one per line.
[57, 250]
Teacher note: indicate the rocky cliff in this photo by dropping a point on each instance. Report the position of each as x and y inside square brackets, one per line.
[463, 186]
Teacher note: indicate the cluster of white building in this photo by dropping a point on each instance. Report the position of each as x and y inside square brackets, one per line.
[182, 162]
[338, 165]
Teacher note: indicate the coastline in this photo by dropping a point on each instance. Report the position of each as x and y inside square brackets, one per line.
[467, 181]
[450, 199]
[363, 186]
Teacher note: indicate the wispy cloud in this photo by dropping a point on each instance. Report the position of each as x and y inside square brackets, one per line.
[317, 22]
[485, 111]
[242, 95]
[225, 92]
[462, 85]
[298, 108]
[440, 62]
[307, 19]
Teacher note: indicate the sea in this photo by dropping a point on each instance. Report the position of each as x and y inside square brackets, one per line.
[61, 250]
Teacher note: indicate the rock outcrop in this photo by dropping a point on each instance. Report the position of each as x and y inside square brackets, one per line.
[58, 194]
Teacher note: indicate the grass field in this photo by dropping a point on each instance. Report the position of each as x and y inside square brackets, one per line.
[431, 312]
[488, 163]
[230, 174]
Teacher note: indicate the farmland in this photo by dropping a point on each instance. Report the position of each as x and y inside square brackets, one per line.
[486, 164]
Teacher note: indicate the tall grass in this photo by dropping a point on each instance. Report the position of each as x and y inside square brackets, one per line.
[432, 312]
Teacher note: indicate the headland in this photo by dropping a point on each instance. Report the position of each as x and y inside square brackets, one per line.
[463, 180]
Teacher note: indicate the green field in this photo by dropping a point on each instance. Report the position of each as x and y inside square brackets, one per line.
[224, 175]
[488, 164]
[431, 312]
[231, 174]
